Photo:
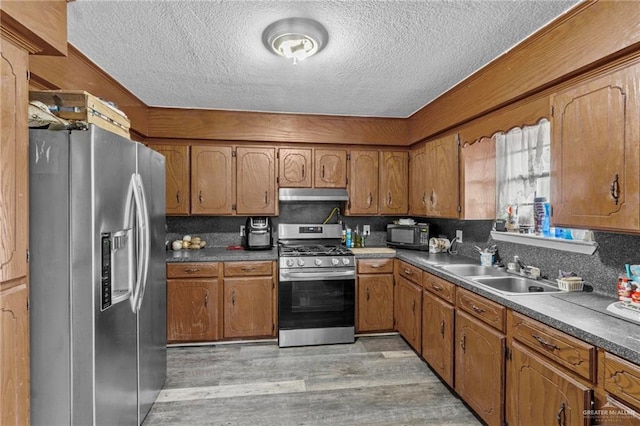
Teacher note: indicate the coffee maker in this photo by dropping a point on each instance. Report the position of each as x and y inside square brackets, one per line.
[258, 233]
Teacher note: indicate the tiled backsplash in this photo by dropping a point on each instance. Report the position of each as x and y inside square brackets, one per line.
[599, 270]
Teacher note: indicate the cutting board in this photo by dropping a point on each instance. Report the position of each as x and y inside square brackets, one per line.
[373, 250]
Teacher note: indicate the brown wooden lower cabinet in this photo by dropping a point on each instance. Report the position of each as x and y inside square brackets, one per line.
[192, 310]
[375, 303]
[248, 307]
[538, 393]
[479, 367]
[437, 335]
[408, 311]
[14, 357]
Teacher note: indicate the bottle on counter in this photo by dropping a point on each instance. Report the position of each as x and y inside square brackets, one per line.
[348, 240]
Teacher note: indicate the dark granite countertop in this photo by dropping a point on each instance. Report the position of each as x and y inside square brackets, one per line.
[220, 254]
[580, 314]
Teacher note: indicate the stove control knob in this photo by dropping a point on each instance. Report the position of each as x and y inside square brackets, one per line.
[300, 262]
[289, 262]
[318, 262]
[334, 262]
[345, 261]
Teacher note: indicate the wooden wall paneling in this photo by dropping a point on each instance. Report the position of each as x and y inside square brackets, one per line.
[272, 127]
[40, 26]
[76, 71]
[584, 37]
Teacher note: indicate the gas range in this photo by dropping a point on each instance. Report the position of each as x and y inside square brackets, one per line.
[313, 246]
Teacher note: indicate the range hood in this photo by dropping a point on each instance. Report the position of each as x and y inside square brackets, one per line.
[313, 194]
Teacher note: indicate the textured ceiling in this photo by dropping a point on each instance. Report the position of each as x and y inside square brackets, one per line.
[383, 58]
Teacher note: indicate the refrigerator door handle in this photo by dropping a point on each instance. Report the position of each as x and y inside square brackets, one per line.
[143, 240]
[147, 244]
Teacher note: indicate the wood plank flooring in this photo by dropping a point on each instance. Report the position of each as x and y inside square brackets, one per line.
[375, 381]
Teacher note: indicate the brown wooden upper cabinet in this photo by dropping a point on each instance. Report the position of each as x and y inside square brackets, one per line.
[177, 178]
[308, 167]
[295, 167]
[478, 179]
[256, 181]
[212, 180]
[442, 177]
[363, 183]
[417, 182]
[330, 167]
[394, 169]
[378, 182]
[595, 152]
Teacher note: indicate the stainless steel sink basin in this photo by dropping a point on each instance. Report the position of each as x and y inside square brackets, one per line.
[516, 285]
[473, 270]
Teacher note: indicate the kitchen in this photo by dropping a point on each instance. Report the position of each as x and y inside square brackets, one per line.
[480, 106]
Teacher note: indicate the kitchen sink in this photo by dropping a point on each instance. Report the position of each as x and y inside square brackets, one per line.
[516, 285]
[471, 270]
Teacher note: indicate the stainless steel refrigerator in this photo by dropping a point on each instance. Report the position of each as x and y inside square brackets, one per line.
[97, 277]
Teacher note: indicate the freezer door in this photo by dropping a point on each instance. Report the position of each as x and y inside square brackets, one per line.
[101, 210]
[152, 317]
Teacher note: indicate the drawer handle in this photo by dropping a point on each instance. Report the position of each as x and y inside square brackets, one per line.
[248, 268]
[442, 328]
[408, 272]
[192, 270]
[545, 344]
[375, 265]
[477, 309]
[562, 416]
[436, 287]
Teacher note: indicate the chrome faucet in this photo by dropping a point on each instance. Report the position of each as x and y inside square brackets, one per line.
[526, 270]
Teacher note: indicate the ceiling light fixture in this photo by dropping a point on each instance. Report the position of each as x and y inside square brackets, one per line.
[295, 38]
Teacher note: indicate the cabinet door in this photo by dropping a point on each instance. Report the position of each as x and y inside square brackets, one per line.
[177, 177]
[14, 356]
[248, 307]
[13, 163]
[594, 175]
[437, 335]
[540, 394]
[479, 367]
[442, 178]
[363, 183]
[478, 179]
[330, 168]
[212, 180]
[256, 191]
[192, 310]
[375, 302]
[417, 181]
[294, 168]
[408, 311]
[394, 174]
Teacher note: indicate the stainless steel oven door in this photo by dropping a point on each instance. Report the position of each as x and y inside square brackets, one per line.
[317, 299]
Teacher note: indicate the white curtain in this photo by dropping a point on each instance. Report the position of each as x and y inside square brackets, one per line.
[523, 158]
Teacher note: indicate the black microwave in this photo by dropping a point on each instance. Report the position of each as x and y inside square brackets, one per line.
[415, 237]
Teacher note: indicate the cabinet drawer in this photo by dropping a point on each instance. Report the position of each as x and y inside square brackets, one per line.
[190, 270]
[244, 269]
[410, 272]
[375, 266]
[439, 287]
[571, 353]
[481, 308]
[622, 379]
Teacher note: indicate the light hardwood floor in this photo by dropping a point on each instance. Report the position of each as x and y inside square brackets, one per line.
[375, 381]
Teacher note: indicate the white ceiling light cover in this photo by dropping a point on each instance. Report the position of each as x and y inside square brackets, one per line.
[295, 38]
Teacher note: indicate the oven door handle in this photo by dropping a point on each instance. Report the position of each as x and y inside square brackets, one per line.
[315, 276]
